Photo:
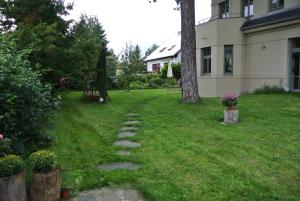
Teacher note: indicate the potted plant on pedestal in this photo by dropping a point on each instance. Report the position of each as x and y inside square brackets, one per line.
[12, 178]
[46, 180]
[231, 114]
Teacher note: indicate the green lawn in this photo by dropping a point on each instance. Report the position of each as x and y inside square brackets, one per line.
[186, 153]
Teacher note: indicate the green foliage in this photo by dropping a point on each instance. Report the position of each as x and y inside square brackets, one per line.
[26, 105]
[34, 12]
[266, 89]
[176, 69]
[156, 82]
[171, 82]
[138, 85]
[11, 165]
[5, 146]
[42, 161]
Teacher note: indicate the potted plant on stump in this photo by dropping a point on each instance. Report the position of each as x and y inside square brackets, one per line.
[12, 178]
[46, 180]
[231, 114]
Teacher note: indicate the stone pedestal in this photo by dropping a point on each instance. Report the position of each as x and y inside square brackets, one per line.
[231, 116]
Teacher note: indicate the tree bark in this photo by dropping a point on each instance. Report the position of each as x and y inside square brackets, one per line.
[188, 51]
[46, 186]
[13, 188]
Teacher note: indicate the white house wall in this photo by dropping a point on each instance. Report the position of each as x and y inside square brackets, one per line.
[163, 61]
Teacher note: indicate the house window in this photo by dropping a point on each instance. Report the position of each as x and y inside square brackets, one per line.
[276, 4]
[206, 60]
[228, 59]
[156, 67]
[248, 8]
[163, 49]
[224, 9]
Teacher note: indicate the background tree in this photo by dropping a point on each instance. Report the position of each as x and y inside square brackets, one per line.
[111, 66]
[39, 25]
[136, 59]
[125, 64]
[91, 52]
[188, 51]
[150, 50]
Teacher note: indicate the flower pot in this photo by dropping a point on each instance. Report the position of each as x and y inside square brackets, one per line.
[46, 186]
[13, 188]
[65, 193]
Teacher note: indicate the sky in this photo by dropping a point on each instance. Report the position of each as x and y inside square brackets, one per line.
[136, 21]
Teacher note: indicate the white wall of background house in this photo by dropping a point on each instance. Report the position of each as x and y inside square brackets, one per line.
[162, 62]
[259, 55]
[169, 51]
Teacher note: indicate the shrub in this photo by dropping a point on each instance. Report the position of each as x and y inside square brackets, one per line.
[156, 83]
[137, 85]
[42, 161]
[176, 69]
[26, 105]
[5, 147]
[11, 165]
[171, 82]
[266, 89]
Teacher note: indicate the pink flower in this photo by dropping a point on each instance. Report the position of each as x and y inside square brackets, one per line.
[1, 136]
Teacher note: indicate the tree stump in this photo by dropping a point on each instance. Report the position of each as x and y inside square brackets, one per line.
[46, 186]
[13, 188]
[231, 116]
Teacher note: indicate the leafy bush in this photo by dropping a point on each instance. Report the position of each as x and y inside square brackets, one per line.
[42, 161]
[26, 105]
[269, 89]
[137, 85]
[11, 165]
[156, 82]
[5, 147]
[171, 82]
[176, 69]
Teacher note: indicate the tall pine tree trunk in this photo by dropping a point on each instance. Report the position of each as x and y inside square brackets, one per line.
[188, 51]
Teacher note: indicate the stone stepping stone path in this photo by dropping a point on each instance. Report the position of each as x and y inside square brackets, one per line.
[126, 144]
[109, 194]
[132, 123]
[129, 129]
[118, 166]
[123, 153]
[126, 134]
[132, 115]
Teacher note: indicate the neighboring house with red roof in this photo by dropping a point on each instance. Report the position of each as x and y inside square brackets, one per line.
[169, 51]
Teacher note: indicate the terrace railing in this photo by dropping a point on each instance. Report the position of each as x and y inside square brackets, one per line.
[224, 16]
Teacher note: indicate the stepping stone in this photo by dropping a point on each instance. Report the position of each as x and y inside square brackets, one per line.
[123, 153]
[109, 194]
[131, 123]
[132, 115]
[126, 134]
[118, 166]
[128, 129]
[127, 144]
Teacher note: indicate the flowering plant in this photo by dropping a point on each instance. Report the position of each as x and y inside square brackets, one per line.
[230, 100]
[1, 136]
